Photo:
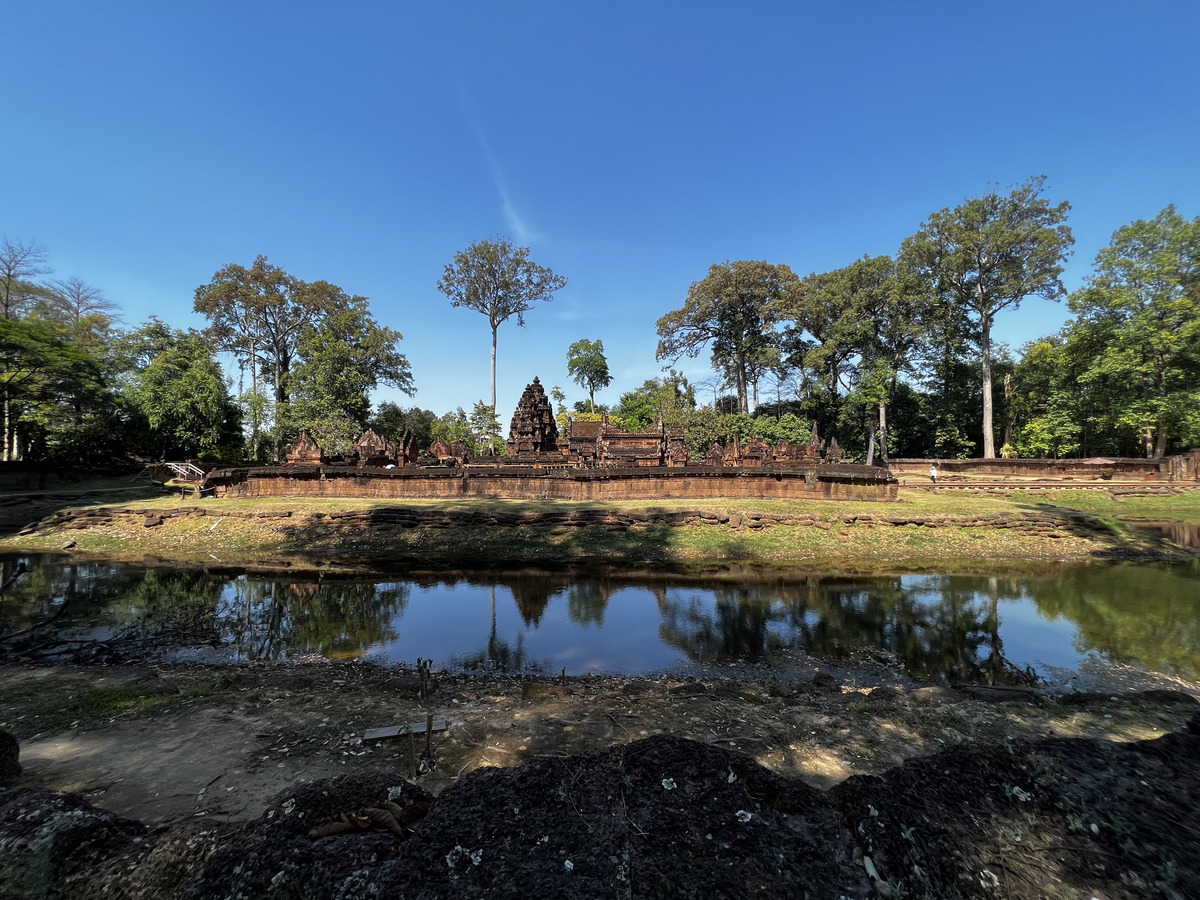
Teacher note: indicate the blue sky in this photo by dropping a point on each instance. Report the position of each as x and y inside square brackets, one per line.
[629, 144]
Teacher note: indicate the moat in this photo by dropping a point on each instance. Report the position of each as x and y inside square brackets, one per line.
[932, 626]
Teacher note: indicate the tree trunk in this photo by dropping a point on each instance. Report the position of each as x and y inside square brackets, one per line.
[985, 347]
[743, 402]
[7, 430]
[883, 435]
[1160, 446]
[870, 441]
[494, 327]
[254, 422]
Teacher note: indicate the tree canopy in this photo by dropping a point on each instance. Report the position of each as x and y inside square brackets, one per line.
[587, 365]
[179, 391]
[1143, 306]
[339, 361]
[988, 254]
[262, 315]
[499, 280]
[730, 310]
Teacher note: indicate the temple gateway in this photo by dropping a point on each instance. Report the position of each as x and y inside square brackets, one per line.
[592, 461]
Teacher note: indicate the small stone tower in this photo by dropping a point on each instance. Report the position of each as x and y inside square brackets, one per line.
[533, 429]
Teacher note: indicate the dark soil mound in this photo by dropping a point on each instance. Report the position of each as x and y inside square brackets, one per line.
[663, 817]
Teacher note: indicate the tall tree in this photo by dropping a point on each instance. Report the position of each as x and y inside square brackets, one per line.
[587, 365]
[1144, 300]
[731, 310]
[990, 253]
[499, 280]
[889, 306]
[20, 264]
[80, 312]
[179, 390]
[485, 427]
[260, 314]
[339, 361]
[39, 370]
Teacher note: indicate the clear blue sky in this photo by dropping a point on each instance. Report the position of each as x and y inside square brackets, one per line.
[630, 144]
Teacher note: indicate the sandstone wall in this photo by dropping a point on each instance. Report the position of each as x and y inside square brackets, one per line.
[592, 485]
[1136, 469]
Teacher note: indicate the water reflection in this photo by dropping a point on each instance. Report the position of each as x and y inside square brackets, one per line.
[1185, 534]
[940, 626]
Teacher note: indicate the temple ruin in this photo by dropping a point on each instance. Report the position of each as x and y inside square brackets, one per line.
[591, 461]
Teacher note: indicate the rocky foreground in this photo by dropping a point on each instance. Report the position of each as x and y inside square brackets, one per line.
[661, 817]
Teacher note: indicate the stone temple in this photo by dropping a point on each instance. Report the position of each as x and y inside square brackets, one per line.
[592, 461]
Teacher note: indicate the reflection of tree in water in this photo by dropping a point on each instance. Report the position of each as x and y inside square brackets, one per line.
[1144, 614]
[940, 628]
[533, 593]
[735, 629]
[497, 653]
[271, 620]
[111, 594]
[586, 602]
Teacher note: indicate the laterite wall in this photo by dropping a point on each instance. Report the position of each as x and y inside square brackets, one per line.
[399, 484]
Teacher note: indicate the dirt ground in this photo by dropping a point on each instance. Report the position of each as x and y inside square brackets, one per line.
[210, 751]
[157, 743]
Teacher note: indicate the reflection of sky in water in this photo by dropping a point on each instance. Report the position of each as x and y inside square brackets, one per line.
[1129, 613]
[451, 623]
[1030, 638]
[1037, 641]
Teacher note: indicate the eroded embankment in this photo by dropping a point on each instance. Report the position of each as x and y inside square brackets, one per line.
[278, 536]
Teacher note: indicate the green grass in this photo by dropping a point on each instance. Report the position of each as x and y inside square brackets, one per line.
[307, 541]
[42, 714]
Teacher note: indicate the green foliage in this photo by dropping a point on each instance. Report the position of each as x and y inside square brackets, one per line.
[391, 421]
[485, 428]
[453, 428]
[56, 396]
[499, 280]
[669, 397]
[20, 264]
[587, 365]
[339, 361]
[986, 255]
[1143, 308]
[731, 310]
[178, 390]
[270, 321]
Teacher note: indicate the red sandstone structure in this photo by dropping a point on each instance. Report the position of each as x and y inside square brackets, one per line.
[593, 461]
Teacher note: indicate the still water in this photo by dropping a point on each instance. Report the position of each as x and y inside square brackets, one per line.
[956, 627]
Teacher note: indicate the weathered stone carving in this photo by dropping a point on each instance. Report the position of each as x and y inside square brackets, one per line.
[374, 450]
[758, 454]
[408, 450]
[448, 454]
[599, 444]
[533, 429]
[815, 445]
[304, 451]
[677, 448]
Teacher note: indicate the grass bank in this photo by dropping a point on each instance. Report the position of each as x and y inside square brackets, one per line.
[924, 528]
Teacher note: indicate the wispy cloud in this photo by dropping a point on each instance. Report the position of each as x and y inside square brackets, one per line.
[517, 223]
